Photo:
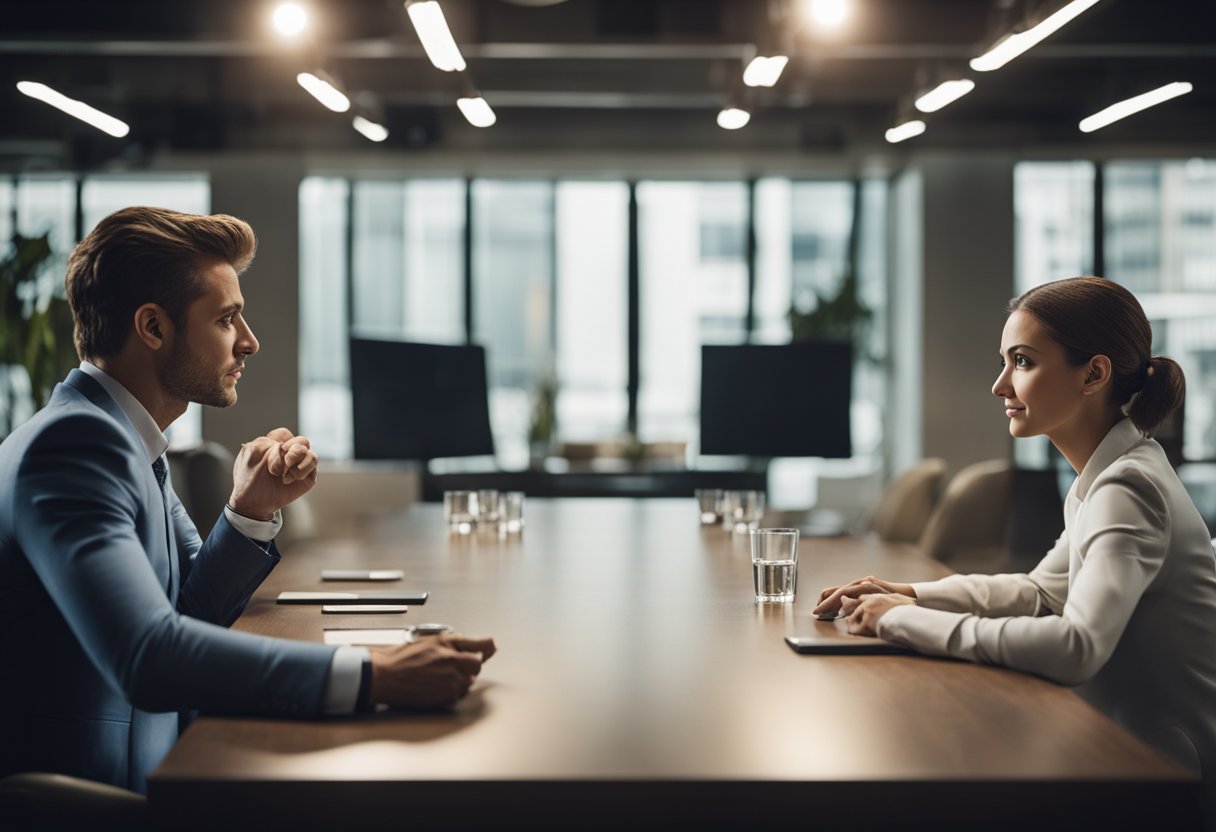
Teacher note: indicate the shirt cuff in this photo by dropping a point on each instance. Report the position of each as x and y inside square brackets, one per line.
[262, 530]
[345, 679]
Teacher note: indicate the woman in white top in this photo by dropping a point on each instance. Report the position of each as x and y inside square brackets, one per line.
[1124, 604]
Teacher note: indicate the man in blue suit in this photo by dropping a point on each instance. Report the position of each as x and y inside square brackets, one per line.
[114, 613]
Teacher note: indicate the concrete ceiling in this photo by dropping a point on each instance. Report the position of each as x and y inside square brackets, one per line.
[591, 76]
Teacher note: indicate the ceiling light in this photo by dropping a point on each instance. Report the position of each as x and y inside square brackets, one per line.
[829, 13]
[103, 122]
[290, 19]
[436, 38]
[905, 131]
[324, 90]
[944, 93]
[1016, 43]
[732, 118]
[1123, 109]
[764, 72]
[373, 131]
[477, 111]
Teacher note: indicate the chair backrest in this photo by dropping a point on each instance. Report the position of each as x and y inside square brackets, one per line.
[969, 527]
[202, 478]
[906, 503]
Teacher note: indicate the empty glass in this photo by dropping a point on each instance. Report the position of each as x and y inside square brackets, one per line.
[774, 565]
[511, 511]
[711, 502]
[487, 506]
[460, 510]
[744, 510]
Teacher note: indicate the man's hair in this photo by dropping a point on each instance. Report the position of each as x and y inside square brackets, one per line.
[146, 255]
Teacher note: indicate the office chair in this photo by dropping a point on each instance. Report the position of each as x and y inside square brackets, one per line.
[905, 505]
[969, 528]
[41, 801]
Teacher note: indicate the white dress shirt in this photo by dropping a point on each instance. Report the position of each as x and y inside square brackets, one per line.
[345, 672]
[1124, 604]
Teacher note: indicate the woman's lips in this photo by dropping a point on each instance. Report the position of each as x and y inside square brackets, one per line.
[1014, 411]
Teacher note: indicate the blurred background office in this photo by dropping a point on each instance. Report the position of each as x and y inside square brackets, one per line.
[642, 192]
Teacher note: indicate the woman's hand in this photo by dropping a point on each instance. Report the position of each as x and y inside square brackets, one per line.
[863, 613]
[832, 599]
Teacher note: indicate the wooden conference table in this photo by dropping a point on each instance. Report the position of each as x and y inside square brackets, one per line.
[637, 679]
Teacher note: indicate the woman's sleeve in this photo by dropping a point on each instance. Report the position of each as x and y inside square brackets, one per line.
[1122, 532]
[991, 596]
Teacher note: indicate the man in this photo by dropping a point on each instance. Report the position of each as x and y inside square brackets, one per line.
[113, 611]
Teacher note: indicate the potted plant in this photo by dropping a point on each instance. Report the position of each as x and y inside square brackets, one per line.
[35, 331]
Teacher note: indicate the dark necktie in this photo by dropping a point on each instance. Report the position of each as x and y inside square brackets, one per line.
[158, 468]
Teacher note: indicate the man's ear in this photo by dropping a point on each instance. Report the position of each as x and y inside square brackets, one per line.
[1097, 375]
[152, 325]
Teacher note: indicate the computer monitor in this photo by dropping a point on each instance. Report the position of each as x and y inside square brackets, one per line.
[418, 401]
[788, 400]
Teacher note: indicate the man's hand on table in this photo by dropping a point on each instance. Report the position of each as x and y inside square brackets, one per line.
[431, 672]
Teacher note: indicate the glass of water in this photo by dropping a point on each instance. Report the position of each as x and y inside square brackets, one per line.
[711, 502]
[460, 510]
[744, 510]
[774, 564]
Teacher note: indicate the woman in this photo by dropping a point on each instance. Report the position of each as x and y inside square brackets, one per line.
[1124, 604]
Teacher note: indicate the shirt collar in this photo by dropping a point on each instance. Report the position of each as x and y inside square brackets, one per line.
[1118, 441]
[154, 441]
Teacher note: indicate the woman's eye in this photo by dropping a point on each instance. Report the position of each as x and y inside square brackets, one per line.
[1021, 361]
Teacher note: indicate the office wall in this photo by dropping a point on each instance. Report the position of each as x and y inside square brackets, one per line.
[265, 193]
[967, 249]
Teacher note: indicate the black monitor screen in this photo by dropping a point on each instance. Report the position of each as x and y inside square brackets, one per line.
[418, 401]
[788, 400]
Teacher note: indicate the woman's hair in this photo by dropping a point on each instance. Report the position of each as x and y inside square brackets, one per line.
[1091, 316]
[146, 255]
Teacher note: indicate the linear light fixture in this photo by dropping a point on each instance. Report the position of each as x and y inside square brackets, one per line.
[370, 129]
[436, 38]
[322, 88]
[732, 118]
[947, 92]
[764, 71]
[1014, 44]
[905, 131]
[78, 109]
[1128, 106]
[476, 111]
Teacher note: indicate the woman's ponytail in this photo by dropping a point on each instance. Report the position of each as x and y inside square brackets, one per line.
[1163, 390]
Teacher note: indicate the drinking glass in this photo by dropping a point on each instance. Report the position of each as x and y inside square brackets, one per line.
[711, 502]
[487, 506]
[512, 511]
[460, 510]
[744, 510]
[774, 565]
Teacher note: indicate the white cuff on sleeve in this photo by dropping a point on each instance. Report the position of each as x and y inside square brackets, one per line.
[345, 674]
[263, 530]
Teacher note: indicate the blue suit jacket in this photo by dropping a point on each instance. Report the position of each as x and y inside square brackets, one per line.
[113, 612]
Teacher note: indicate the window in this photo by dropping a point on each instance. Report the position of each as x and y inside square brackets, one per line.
[513, 277]
[592, 314]
[1161, 243]
[325, 415]
[692, 293]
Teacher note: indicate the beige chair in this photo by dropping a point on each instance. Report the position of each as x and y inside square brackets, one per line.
[969, 529]
[37, 801]
[905, 505]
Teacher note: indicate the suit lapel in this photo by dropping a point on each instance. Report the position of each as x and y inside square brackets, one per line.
[88, 387]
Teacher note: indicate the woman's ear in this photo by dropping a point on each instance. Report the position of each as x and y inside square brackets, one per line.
[152, 325]
[1097, 375]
